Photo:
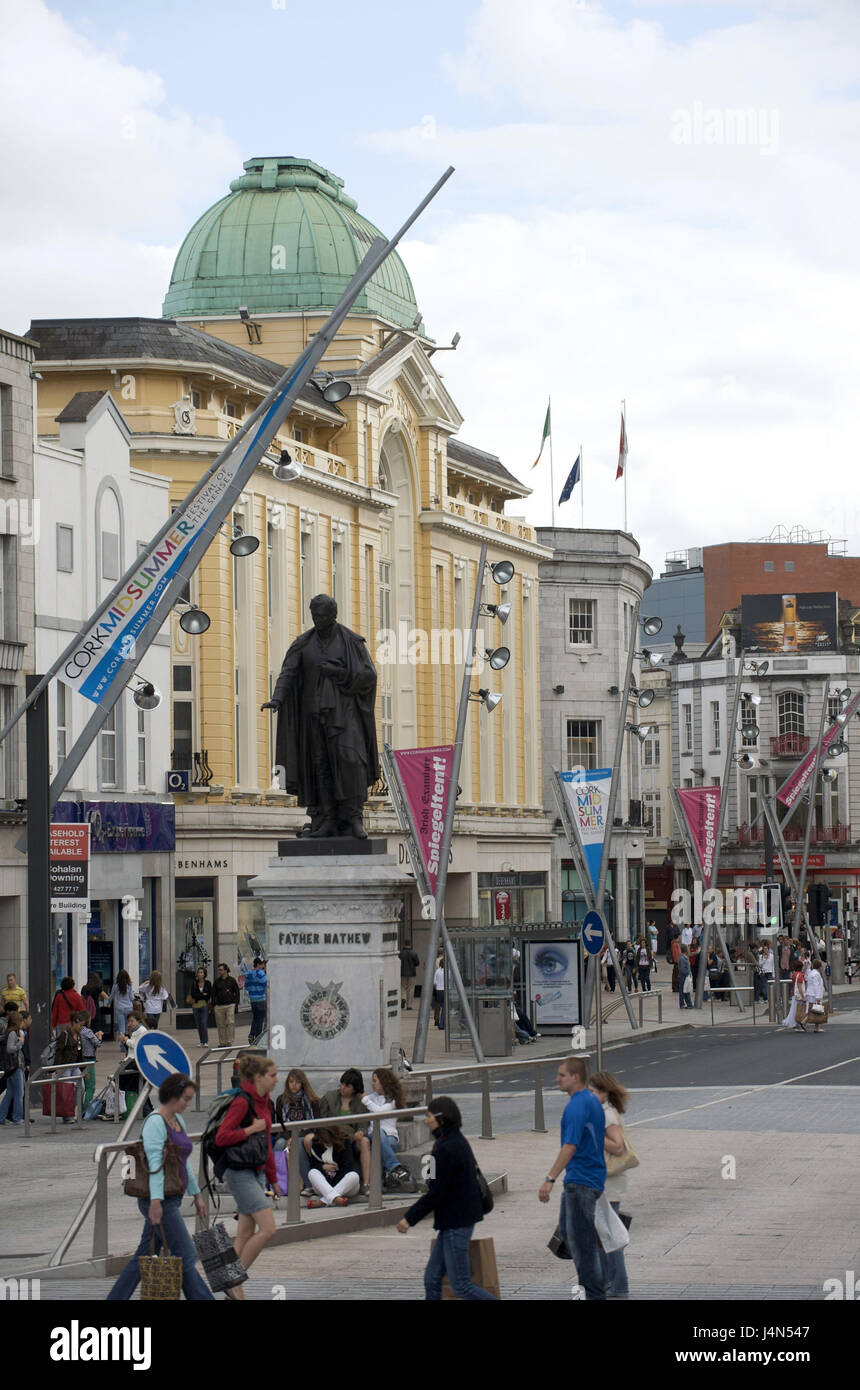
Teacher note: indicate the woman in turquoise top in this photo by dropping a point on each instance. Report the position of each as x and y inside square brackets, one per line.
[163, 1213]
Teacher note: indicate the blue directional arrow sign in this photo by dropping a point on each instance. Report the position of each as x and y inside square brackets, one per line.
[593, 933]
[159, 1056]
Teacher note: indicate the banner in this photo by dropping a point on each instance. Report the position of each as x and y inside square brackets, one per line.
[701, 807]
[124, 827]
[426, 774]
[553, 982]
[794, 786]
[790, 622]
[69, 868]
[587, 795]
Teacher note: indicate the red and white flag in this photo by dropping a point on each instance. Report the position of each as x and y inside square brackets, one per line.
[622, 450]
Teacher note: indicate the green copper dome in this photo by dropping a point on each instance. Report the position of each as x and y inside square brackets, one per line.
[286, 238]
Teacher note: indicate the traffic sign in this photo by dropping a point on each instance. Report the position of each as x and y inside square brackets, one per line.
[593, 933]
[159, 1056]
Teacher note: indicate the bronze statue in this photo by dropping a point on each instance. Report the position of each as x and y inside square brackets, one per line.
[326, 735]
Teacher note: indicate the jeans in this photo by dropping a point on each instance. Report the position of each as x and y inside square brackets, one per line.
[258, 1019]
[614, 1268]
[645, 977]
[120, 1025]
[450, 1255]
[389, 1151]
[13, 1097]
[179, 1243]
[685, 1001]
[153, 1020]
[577, 1217]
[201, 1018]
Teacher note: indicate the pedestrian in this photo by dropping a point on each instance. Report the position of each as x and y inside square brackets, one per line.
[298, 1101]
[643, 965]
[687, 934]
[675, 955]
[14, 994]
[613, 1097]
[816, 1010]
[129, 1078]
[766, 965]
[13, 1069]
[68, 1052]
[66, 1002]
[685, 979]
[122, 999]
[409, 962]
[606, 962]
[798, 1001]
[200, 998]
[162, 1216]
[454, 1197]
[784, 958]
[225, 997]
[255, 984]
[154, 998]
[346, 1099]
[247, 1117]
[628, 961]
[332, 1171]
[439, 994]
[90, 1044]
[583, 1131]
[387, 1094]
[94, 995]
[652, 943]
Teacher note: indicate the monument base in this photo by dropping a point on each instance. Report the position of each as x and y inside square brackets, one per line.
[332, 911]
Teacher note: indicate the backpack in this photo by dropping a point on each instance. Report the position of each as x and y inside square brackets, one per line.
[212, 1152]
[49, 1053]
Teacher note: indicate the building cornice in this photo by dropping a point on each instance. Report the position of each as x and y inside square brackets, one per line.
[458, 526]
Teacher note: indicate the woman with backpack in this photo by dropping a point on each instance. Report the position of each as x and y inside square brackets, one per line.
[244, 1139]
[454, 1197]
[162, 1214]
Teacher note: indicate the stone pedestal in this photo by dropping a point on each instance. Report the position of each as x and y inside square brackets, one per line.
[333, 963]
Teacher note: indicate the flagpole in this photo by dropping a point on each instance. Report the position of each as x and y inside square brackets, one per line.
[624, 418]
[551, 467]
[581, 490]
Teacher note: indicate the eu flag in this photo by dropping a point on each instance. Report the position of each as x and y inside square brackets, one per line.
[571, 483]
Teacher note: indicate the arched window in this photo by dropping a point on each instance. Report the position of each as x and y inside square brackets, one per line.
[396, 592]
[790, 712]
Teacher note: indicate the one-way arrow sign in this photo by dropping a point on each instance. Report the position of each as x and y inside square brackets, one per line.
[593, 933]
[159, 1056]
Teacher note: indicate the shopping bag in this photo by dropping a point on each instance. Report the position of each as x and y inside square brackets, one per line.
[611, 1231]
[220, 1264]
[282, 1169]
[65, 1099]
[482, 1263]
[160, 1275]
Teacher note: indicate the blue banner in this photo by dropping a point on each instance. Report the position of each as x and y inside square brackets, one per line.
[123, 827]
[587, 793]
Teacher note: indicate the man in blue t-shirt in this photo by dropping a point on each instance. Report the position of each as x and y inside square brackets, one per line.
[581, 1157]
[256, 983]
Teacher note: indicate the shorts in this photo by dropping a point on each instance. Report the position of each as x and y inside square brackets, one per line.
[248, 1189]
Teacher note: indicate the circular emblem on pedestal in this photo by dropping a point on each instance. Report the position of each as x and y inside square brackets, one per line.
[325, 1012]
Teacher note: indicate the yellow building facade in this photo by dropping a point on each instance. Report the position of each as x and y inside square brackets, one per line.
[388, 515]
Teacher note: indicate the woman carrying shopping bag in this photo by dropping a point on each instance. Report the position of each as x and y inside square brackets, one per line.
[619, 1157]
[162, 1216]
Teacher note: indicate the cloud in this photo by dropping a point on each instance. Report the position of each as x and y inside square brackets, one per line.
[714, 284]
[97, 173]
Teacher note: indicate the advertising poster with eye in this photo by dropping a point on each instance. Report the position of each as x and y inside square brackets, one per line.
[586, 791]
[554, 976]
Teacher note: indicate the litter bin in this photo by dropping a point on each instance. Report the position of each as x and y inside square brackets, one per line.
[837, 962]
[743, 976]
[494, 1026]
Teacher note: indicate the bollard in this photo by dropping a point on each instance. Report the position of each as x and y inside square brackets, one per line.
[540, 1122]
[294, 1186]
[100, 1213]
[486, 1116]
[375, 1198]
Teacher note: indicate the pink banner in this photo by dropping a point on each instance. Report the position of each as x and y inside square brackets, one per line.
[794, 787]
[701, 807]
[426, 774]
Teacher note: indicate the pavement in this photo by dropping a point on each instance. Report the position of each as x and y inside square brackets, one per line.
[749, 1141]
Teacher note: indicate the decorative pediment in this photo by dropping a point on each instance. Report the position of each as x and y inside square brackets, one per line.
[403, 374]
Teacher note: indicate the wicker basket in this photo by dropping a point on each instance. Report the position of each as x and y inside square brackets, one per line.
[160, 1275]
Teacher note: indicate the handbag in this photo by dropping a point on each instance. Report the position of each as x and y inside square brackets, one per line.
[611, 1231]
[221, 1265]
[137, 1185]
[160, 1275]
[817, 1009]
[619, 1163]
[558, 1245]
[487, 1203]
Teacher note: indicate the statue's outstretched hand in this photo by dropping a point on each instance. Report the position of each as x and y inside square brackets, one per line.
[270, 704]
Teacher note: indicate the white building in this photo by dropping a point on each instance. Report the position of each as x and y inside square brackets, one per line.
[96, 513]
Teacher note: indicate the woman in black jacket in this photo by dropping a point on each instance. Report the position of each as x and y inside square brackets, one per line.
[454, 1198]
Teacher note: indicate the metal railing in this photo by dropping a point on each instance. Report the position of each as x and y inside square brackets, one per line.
[610, 1008]
[482, 1071]
[206, 1059]
[40, 1077]
[777, 992]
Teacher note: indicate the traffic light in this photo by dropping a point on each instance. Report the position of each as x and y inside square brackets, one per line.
[772, 908]
[818, 904]
[785, 904]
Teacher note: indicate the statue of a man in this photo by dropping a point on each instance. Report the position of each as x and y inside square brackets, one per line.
[326, 736]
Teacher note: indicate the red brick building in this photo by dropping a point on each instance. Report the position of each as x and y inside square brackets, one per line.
[763, 567]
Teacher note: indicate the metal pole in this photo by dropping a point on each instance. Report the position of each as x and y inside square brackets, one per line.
[810, 817]
[540, 1121]
[420, 1045]
[598, 1024]
[696, 870]
[486, 1113]
[38, 870]
[725, 789]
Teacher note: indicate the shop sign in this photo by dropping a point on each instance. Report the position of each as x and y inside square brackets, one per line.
[123, 827]
[502, 901]
[203, 864]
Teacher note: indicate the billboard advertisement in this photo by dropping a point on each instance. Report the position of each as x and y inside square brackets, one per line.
[790, 622]
[553, 975]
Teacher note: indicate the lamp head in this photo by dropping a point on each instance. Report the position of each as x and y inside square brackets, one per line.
[146, 696]
[242, 543]
[499, 658]
[651, 626]
[194, 621]
[336, 391]
[286, 471]
[503, 572]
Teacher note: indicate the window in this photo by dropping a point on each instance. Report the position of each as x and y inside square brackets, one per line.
[790, 712]
[196, 398]
[5, 431]
[715, 725]
[62, 723]
[232, 409]
[753, 800]
[651, 752]
[688, 728]
[236, 729]
[110, 555]
[834, 707]
[65, 549]
[368, 587]
[582, 621]
[583, 743]
[748, 722]
[688, 782]
[789, 565]
[183, 719]
[768, 565]
[653, 813]
[270, 541]
[107, 751]
[715, 781]
[141, 748]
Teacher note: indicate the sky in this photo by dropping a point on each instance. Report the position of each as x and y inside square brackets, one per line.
[653, 202]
